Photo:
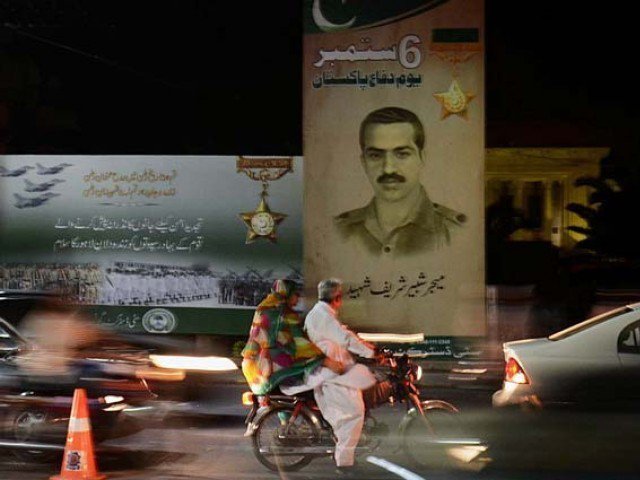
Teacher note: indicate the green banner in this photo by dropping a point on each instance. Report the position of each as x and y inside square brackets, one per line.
[198, 240]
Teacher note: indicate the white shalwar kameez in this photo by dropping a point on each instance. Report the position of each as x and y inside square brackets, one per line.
[339, 397]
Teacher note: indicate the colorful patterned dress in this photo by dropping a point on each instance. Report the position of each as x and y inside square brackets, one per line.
[277, 348]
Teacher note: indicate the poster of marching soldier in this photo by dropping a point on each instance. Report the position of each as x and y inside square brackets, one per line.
[394, 152]
[203, 232]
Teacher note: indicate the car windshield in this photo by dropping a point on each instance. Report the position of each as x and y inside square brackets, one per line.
[589, 323]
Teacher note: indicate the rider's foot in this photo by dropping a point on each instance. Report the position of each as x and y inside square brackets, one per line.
[359, 471]
[346, 472]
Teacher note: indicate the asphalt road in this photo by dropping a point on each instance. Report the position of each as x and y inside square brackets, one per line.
[529, 445]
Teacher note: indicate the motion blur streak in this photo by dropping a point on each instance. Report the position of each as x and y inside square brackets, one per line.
[392, 337]
[393, 468]
[204, 364]
[467, 453]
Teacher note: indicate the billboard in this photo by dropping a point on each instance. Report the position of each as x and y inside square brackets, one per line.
[394, 153]
[181, 234]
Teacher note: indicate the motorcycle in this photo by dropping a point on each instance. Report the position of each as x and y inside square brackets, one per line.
[288, 432]
[35, 411]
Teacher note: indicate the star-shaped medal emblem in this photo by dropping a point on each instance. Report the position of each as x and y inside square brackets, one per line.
[262, 222]
[454, 101]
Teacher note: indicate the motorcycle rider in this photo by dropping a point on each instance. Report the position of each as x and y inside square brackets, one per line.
[277, 350]
[339, 397]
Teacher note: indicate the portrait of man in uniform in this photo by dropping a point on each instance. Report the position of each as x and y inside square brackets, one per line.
[400, 219]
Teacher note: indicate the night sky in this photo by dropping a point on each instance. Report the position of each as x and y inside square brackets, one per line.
[205, 77]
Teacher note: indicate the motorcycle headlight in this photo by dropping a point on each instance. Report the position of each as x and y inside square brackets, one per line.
[418, 372]
[109, 399]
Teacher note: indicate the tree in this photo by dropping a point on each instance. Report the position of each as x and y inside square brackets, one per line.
[611, 210]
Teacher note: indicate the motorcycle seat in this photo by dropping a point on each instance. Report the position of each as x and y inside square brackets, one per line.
[277, 395]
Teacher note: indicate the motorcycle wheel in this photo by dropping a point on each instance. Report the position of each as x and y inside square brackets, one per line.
[270, 433]
[428, 439]
[34, 425]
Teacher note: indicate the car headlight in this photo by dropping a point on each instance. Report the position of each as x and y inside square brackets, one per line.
[202, 364]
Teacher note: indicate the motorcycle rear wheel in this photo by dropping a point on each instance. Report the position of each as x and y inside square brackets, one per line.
[274, 430]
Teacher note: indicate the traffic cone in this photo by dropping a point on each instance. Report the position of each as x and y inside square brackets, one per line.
[79, 462]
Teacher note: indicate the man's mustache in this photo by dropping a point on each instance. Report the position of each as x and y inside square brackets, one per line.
[391, 177]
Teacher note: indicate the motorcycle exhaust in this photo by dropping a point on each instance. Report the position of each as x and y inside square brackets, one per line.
[282, 451]
[30, 445]
[317, 450]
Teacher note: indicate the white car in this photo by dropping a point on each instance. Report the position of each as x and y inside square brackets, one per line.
[593, 363]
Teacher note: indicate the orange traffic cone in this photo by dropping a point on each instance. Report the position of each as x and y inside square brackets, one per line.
[79, 462]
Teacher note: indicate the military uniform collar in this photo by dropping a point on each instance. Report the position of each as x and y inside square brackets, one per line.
[423, 216]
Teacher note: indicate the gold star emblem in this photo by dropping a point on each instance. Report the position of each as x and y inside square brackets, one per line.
[262, 222]
[454, 101]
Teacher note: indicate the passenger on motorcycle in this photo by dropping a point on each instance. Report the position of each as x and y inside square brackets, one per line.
[339, 397]
[277, 349]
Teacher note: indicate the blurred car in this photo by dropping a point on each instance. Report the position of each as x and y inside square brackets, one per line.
[178, 370]
[35, 409]
[595, 363]
[37, 385]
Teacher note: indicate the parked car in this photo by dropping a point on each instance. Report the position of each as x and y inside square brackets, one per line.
[595, 363]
